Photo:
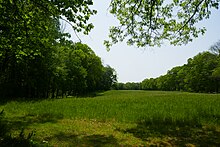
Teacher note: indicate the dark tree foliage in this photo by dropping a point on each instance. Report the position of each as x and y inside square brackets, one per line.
[36, 58]
[27, 38]
[109, 78]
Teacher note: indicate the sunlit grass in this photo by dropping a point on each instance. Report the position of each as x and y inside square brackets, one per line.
[112, 115]
[126, 106]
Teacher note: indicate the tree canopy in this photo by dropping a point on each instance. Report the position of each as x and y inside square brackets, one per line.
[151, 22]
[37, 60]
[200, 74]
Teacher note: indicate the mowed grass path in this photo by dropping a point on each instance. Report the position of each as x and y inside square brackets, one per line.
[117, 118]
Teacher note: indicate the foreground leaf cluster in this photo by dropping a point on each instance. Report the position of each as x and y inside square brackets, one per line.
[151, 22]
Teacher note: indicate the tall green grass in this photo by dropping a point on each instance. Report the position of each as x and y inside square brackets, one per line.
[125, 106]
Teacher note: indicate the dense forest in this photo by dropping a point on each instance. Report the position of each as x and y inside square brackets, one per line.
[200, 74]
[37, 59]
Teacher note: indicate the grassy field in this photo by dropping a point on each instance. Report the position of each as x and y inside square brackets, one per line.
[120, 118]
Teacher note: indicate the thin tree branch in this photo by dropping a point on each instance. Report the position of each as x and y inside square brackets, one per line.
[72, 27]
[194, 13]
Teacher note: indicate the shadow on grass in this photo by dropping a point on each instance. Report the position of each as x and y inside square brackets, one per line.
[44, 118]
[180, 133]
[18, 123]
[91, 95]
[80, 140]
[5, 101]
[6, 140]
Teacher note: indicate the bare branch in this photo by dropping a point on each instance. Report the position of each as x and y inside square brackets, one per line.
[72, 27]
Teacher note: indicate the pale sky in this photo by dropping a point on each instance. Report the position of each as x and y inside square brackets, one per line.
[136, 64]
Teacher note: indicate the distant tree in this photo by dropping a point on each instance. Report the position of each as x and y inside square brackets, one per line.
[199, 76]
[93, 65]
[78, 70]
[119, 86]
[132, 86]
[109, 78]
[128, 86]
[216, 78]
[149, 84]
[215, 49]
[173, 79]
[162, 83]
[181, 75]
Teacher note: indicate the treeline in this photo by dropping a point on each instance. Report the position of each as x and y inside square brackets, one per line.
[37, 60]
[200, 74]
[127, 86]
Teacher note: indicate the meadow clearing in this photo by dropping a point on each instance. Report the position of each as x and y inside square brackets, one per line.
[119, 118]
